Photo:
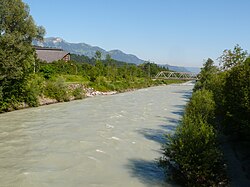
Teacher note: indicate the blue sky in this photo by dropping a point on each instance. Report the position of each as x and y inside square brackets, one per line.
[177, 32]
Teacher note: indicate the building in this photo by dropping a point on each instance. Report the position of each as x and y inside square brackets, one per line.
[51, 54]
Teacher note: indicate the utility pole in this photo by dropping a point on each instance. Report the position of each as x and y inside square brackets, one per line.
[34, 66]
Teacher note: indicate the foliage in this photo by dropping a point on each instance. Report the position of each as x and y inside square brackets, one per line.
[17, 57]
[17, 29]
[48, 71]
[82, 59]
[206, 75]
[230, 89]
[33, 88]
[201, 106]
[233, 58]
[192, 154]
[78, 92]
[75, 79]
[219, 96]
[237, 100]
[57, 90]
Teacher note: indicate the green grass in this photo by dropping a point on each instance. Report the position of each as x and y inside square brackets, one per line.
[75, 79]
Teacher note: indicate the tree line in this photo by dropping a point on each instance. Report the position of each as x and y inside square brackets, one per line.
[219, 105]
[24, 78]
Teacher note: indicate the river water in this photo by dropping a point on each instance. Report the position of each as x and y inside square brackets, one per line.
[104, 141]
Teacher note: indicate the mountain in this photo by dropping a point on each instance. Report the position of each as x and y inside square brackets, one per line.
[175, 68]
[193, 69]
[182, 69]
[87, 50]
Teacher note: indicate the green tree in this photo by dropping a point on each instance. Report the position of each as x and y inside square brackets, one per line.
[98, 56]
[191, 153]
[17, 56]
[108, 60]
[237, 100]
[207, 73]
[201, 105]
[17, 30]
[98, 63]
[233, 58]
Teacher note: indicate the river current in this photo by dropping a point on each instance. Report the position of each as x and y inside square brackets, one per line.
[104, 141]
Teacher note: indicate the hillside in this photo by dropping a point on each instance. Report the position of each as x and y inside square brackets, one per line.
[89, 51]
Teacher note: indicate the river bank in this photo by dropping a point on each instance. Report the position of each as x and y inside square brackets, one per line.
[84, 92]
[88, 92]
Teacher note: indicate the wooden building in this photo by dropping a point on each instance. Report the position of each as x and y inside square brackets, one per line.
[51, 54]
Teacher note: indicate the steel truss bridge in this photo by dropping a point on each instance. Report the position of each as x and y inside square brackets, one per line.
[177, 75]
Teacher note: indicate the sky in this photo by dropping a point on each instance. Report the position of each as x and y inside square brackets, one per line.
[176, 32]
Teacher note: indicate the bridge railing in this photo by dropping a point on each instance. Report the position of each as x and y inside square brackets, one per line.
[177, 75]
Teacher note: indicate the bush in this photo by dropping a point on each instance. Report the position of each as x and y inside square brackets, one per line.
[47, 71]
[57, 90]
[34, 86]
[192, 156]
[78, 93]
[191, 153]
[201, 105]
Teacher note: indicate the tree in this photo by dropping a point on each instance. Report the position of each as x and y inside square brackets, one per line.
[191, 155]
[17, 56]
[98, 62]
[98, 55]
[17, 30]
[207, 73]
[233, 58]
[237, 100]
[109, 63]
[108, 58]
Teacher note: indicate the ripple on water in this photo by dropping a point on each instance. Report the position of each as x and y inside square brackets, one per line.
[103, 141]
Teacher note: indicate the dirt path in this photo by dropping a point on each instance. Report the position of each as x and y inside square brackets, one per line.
[237, 162]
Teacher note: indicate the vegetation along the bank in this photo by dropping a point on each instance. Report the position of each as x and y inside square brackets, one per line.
[219, 107]
[26, 81]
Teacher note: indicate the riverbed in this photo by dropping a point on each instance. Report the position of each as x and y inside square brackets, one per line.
[103, 141]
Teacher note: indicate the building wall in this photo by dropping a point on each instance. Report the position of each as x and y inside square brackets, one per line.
[66, 58]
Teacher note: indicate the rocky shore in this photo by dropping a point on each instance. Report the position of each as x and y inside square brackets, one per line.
[88, 92]
[84, 92]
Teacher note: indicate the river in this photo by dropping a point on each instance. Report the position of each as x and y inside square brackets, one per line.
[104, 141]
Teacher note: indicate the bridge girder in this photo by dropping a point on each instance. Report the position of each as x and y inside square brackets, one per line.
[177, 75]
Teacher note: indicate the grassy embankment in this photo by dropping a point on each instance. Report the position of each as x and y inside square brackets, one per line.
[65, 81]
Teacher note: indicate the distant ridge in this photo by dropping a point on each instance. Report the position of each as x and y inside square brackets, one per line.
[88, 50]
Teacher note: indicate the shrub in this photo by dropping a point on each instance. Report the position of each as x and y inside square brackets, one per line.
[191, 154]
[48, 71]
[78, 93]
[201, 105]
[57, 90]
[34, 86]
